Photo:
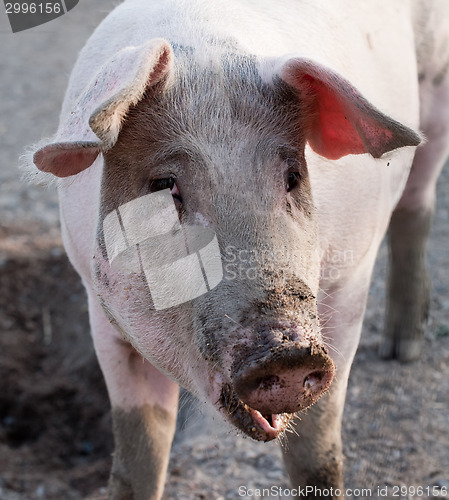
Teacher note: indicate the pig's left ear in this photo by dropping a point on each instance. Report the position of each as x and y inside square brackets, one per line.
[338, 119]
[95, 119]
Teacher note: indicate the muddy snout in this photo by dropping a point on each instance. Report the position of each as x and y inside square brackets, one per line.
[289, 379]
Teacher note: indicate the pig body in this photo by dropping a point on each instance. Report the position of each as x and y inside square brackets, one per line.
[286, 130]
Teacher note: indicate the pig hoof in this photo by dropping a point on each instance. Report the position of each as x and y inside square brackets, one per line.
[404, 350]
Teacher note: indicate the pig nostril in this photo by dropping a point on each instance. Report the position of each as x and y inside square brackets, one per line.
[313, 381]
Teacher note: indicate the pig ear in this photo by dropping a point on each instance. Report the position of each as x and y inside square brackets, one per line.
[93, 123]
[340, 121]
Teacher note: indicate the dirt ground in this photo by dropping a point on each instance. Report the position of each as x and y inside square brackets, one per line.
[55, 437]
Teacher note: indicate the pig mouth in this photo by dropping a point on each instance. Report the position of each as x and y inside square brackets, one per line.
[252, 422]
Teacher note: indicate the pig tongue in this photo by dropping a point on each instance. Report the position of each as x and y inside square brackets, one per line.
[267, 423]
[252, 422]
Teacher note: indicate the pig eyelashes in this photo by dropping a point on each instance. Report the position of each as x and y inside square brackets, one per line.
[166, 183]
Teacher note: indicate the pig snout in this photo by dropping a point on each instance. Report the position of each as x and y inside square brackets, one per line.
[289, 379]
[269, 385]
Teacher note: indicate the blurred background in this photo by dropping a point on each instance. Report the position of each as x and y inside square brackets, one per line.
[55, 439]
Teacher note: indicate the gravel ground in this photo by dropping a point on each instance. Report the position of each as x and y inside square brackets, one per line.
[55, 439]
[34, 66]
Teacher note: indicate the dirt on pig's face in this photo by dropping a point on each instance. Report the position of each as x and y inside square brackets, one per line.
[227, 150]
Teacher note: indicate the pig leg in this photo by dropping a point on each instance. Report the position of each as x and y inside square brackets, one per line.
[144, 405]
[313, 457]
[409, 284]
[313, 454]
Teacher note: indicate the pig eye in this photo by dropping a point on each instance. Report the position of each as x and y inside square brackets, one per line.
[160, 184]
[291, 159]
[165, 183]
[293, 179]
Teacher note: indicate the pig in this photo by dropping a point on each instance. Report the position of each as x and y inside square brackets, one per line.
[226, 173]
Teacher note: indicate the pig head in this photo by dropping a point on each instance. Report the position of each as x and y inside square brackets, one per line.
[225, 140]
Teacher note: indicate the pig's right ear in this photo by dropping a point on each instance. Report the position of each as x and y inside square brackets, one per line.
[94, 121]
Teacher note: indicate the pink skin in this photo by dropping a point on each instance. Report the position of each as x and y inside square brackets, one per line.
[125, 297]
[126, 369]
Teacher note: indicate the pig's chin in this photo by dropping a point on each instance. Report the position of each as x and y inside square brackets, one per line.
[256, 425]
